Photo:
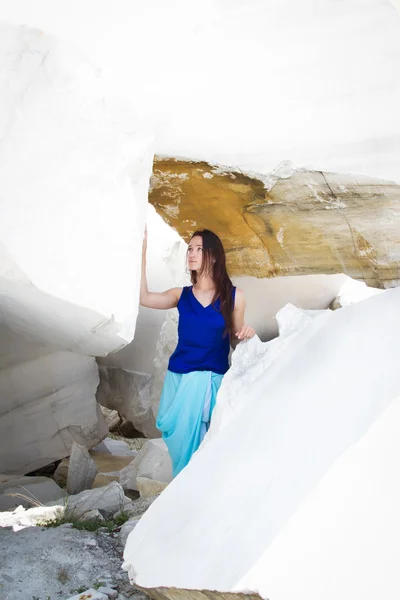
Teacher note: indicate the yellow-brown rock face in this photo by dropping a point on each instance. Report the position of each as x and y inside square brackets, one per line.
[308, 223]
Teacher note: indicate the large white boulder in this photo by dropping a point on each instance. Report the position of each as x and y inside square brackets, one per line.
[73, 188]
[73, 185]
[287, 411]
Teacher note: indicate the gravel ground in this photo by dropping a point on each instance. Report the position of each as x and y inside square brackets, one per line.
[56, 563]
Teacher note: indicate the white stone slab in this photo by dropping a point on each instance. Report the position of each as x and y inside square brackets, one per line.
[288, 410]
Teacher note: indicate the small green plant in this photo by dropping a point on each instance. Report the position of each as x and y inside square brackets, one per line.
[92, 525]
[122, 518]
[67, 516]
[79, 590]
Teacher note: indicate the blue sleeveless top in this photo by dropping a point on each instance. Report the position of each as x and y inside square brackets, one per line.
[201, 342]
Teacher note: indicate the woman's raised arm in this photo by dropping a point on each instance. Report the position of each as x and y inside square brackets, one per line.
[160, 300]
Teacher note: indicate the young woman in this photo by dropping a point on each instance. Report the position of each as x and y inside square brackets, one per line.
[211, 316]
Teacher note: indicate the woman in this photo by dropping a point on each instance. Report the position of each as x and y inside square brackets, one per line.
[211, 315]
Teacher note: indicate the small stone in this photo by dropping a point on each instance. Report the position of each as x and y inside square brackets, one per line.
[90, 594]
[92, 515]
[107, 582]
[148, 488]
[112, 594]
[152, 462]
[90, 542]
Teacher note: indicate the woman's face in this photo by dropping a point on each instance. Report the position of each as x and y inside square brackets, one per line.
[195, 253]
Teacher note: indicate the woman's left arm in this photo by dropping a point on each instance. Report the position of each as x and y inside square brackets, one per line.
[242, 331]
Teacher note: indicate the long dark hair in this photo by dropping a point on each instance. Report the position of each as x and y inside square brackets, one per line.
[214, 263]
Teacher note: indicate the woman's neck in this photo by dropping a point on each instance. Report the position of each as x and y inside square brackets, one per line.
[204, 283]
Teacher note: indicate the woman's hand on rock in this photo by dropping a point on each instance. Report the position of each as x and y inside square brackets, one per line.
[245, 332]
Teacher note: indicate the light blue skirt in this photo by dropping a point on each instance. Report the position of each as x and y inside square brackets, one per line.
[186, 405]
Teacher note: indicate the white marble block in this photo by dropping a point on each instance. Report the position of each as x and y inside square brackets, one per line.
[286, 412]
[73, 188]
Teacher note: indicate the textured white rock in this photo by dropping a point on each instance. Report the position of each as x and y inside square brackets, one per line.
[353, 291]
[152, 462]
[128, 393]
[294, 407]
[166, 344]
[73, 184]
[78, 212]
[109, 592]
[47, 404]
[112, 417]
[110, 499]
[82, 470]
[92, 515]
[148, 488]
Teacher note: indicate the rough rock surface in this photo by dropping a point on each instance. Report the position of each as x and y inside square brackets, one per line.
[47, 404]
[166, 344]
[273, 418]
[31, 568]
[128, 393]
[108, 500]
[82, 470]
[148, 488]
[107, 464]
[292, 223]
[112, 418]
[152, 462]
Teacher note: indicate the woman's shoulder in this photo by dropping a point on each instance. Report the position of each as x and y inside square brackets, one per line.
[182, 291]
